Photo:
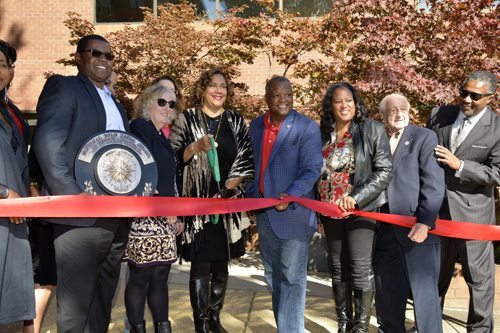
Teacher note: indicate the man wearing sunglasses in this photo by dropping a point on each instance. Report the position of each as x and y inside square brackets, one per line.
[469, 151]
[88, 251]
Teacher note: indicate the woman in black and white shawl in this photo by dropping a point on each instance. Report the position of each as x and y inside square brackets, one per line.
[209, 245]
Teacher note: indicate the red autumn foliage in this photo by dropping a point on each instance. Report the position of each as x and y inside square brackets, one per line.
[380, 46]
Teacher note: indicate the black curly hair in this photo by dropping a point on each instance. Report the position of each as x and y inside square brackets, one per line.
[327, 122]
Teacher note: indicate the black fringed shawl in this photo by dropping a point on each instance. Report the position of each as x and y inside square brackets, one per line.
[196, 177]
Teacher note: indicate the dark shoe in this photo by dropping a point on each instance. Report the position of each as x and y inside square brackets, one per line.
[217, 293]
[163, 327]
[342, 294]
[141, 328]
[198, 293]
[363, 300]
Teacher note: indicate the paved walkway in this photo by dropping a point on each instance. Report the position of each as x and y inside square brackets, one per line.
[248, 304]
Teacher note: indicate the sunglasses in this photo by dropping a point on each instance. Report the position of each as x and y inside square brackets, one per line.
[163, 102]
[474, 96]
[98, 54]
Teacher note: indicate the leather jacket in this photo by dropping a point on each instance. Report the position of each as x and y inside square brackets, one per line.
[373, 171]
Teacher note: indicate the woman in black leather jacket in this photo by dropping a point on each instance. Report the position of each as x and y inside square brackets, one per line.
[357, 165]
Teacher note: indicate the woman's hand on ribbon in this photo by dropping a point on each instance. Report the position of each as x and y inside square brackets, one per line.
[347, 203]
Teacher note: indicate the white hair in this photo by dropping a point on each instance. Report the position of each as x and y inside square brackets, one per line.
[384, 100]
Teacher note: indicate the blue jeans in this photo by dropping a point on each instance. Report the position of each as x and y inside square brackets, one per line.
[285, 269]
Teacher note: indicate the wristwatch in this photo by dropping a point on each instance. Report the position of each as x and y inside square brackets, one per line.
[4, 192]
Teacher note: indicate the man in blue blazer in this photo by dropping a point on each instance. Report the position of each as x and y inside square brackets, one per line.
[288, 160]
[405, 258]
[88, 251]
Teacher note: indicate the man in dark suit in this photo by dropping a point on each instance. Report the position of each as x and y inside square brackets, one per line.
[288, 160]
[405, 258]
[469, 150]
[88, 251]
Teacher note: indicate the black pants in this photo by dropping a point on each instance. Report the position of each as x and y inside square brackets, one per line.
[149, 283]
[478, 269]
[88, 261]
[350, 246]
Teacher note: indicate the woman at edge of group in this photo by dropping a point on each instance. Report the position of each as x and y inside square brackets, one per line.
[357, 169]
[151, 247]
[17, 298]
[209, 245]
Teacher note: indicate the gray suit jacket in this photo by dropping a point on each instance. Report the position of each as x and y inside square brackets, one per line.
[470, 197]
[69, 112]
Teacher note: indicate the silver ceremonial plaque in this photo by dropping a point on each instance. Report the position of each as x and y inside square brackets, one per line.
[116, 163]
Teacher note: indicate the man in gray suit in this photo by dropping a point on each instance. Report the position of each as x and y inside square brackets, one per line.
[405, 258]
[88, 252]
[469, 150]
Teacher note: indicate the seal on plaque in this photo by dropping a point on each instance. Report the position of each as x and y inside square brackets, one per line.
[116, 163]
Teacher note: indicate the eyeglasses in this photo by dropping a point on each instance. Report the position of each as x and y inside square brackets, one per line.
[98, 54]
[163, 102]
[474, 96]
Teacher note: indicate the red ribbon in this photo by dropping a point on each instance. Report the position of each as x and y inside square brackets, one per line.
[117, 206]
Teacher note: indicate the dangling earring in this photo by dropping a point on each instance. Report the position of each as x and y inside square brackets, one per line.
[6, 98]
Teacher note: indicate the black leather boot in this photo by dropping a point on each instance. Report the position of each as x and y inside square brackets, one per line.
[163, 327]
[342, 294]
[217, 293]
[362, 310]
[141, 328]
[198, 292]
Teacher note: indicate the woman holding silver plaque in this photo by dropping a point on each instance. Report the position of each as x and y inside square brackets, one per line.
[151, 247]
[214, 146]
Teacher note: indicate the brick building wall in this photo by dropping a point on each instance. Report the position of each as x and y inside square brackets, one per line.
[37, 30]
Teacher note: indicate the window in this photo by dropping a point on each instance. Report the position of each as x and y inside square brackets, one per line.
[130, 11]
[307, 8]
[120, 10]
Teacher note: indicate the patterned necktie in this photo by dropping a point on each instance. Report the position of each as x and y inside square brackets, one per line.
[461, 134]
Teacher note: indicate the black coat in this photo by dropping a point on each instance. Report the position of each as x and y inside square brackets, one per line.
[164, 155]
[373, 164]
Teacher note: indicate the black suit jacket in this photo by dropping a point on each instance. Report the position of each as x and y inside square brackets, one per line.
[470, 196]
[417, 186]
[163, 153]
[69, 112]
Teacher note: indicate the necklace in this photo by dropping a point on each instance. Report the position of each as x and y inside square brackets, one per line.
[213, 120]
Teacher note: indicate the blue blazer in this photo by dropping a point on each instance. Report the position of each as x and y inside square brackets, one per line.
[417, 186]
[294, 167]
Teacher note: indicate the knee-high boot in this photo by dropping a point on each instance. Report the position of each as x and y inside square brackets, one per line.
[198, 292]
[140, 328]
[217, 294]
[342, 294]
[362, 310]
[163, 327]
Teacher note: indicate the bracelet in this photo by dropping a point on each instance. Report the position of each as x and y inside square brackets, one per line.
[4, 192]
[34, 183]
